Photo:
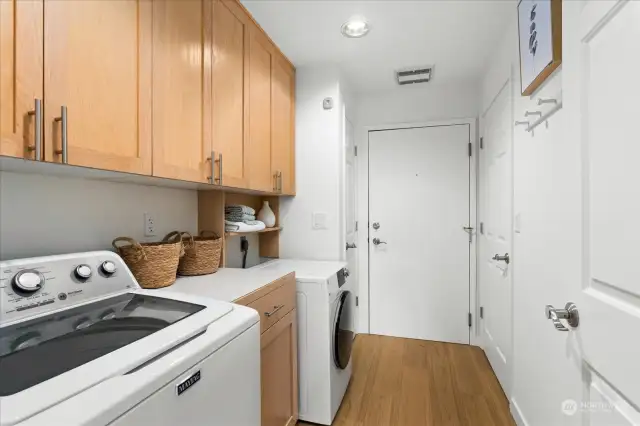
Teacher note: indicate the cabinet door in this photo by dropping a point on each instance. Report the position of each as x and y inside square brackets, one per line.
[98, 65]
[182, 89]
[279, 369]
[231, 91]
[282, 124]
[259, 151]
[21, 39]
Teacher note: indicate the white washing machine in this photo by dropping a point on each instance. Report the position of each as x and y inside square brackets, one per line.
[325, 335]
[82, 344]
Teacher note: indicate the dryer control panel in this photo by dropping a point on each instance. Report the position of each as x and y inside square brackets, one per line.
[38, 285]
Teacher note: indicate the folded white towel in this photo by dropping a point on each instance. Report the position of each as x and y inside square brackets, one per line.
[243, 227]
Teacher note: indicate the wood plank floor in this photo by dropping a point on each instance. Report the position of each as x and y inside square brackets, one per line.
[403, 382]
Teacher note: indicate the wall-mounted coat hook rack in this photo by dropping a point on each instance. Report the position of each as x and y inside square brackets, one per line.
[542, 101]
[557, 107]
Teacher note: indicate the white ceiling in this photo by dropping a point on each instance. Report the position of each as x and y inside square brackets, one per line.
[457, 36]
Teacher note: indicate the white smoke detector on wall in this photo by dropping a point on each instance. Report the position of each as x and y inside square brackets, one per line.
[414, 75]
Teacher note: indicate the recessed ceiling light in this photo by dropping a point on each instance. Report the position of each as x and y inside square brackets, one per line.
[355, 28]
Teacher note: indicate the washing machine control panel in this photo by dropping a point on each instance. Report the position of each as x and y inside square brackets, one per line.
[38, 285]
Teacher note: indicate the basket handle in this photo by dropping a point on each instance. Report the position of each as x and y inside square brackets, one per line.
[140, 254]
[181, 234]
[170, 236]
[206, 231]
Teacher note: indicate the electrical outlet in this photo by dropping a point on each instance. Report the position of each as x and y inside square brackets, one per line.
[149, 225]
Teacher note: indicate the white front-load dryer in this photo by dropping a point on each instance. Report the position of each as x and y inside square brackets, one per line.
[325, 335]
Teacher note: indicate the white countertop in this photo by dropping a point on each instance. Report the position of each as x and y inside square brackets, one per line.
[229, 284]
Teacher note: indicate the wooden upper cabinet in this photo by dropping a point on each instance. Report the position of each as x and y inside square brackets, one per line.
[182, 89]
[261, 54]
[21, 61]
[283, 124]
[230, 90]
[98, 64]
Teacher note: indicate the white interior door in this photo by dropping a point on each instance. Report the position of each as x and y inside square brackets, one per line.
[418, 251]
[495, 235]
[608, 298]
[351, 228]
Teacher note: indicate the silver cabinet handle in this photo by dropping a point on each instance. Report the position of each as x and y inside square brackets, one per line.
[213, 166]
[275, 309]
[37, 146]
[277, 177]
[569, 313]
[64, 134]
[377, 242]
[219, 161]
[504, 258]
[351, 246]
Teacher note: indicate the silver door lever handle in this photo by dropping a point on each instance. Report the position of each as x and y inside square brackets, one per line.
[569, 313]
[504, 258]
[377, 242]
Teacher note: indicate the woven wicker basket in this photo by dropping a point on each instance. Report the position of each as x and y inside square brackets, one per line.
[154, 265]
[201, 254]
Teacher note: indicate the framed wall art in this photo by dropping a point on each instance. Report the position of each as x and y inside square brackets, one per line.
[540, 33]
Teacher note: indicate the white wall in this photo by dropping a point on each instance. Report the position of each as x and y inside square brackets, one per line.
[546, 254]
[418, 103]
[43, 215]
[318, 168]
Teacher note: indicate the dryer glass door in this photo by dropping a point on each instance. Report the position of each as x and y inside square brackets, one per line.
[343, 330]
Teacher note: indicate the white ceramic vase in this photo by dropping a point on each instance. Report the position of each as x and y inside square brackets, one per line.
[266, 215]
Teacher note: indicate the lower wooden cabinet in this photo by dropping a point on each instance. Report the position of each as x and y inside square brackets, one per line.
[279, 369]
[275, 303]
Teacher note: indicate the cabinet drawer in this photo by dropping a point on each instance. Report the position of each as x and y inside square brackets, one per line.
[277, 303]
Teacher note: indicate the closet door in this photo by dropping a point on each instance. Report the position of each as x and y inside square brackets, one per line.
[21, 36]
[282, 125]
[259, 151]
[230, 91]
[98, 83]
[182, 89]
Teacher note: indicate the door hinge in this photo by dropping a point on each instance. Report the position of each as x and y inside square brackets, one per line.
[469, 319]
[356, 225]
[357, 301]
[355, 150]
[481, 143]
[470, 149]
[481, 312]
[482, 228]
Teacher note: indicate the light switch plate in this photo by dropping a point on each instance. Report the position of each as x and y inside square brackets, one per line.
[319, 220]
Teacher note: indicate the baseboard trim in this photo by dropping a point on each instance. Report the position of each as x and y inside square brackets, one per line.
[516, 413]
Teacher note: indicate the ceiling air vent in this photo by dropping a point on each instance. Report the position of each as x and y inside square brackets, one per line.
[414, 75]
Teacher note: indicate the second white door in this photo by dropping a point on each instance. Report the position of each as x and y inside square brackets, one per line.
[418, 251]
[494, 237]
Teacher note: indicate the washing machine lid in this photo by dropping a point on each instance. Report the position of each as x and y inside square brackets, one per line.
[308, 270]
[111, 337]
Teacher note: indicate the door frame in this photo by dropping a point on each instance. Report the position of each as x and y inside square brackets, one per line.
[362, 212]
